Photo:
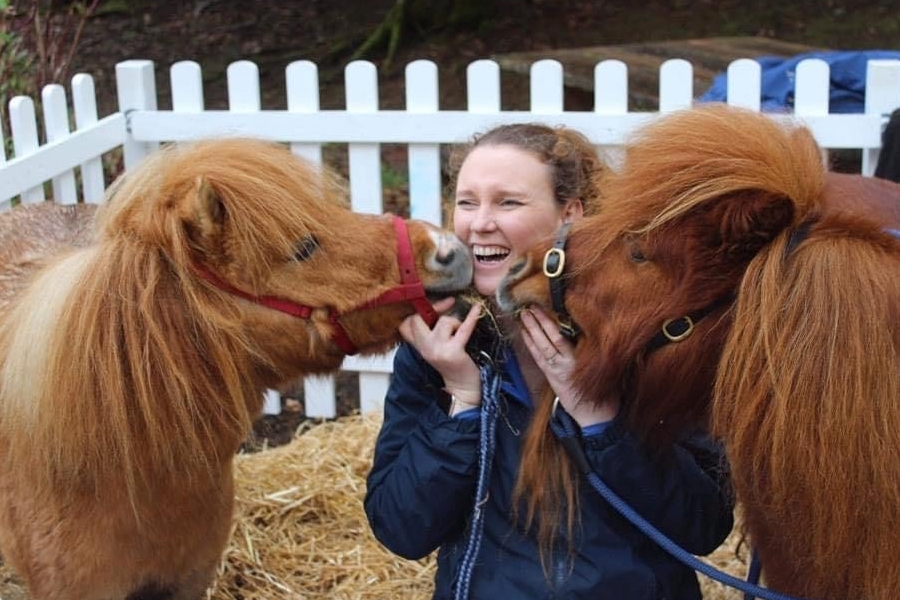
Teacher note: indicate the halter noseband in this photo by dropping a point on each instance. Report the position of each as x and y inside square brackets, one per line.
[410, 290]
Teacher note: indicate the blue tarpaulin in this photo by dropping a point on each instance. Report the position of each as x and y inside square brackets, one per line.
[848, 79]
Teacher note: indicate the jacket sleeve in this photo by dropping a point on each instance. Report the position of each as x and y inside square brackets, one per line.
[684, 491]
[422, 482]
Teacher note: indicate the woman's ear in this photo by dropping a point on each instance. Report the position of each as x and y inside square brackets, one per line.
[573, 210]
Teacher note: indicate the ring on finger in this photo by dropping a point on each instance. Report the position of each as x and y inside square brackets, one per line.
[552, 359]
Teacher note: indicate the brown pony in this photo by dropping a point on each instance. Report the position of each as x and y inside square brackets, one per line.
[31, 233]
[778, 283]
[132, 367]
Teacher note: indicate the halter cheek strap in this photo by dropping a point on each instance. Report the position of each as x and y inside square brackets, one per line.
[410, 290]
[554, 268]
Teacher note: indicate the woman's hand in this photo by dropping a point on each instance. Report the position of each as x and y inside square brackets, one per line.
[554, 356]
[444, 347]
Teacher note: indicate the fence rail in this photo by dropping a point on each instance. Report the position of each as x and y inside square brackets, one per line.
[69, 157]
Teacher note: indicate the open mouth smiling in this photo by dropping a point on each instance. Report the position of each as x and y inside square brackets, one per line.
[489, 254]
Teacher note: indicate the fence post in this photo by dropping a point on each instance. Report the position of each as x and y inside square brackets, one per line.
[135, 90]
[882, 97]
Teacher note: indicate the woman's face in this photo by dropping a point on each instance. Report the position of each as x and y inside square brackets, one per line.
[504, 205]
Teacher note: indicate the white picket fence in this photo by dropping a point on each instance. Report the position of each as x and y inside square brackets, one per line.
[138, 127]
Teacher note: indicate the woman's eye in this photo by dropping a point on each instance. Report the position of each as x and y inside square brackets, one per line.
[305, 248]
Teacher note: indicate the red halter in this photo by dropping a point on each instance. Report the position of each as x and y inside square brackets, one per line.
[410, 290]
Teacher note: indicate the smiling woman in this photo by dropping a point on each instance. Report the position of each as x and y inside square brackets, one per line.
[457, 427]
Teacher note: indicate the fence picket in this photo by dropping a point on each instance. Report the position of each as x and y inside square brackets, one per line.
[744, 84]
[186, 82]
[56, 126]
[483, 87]
[811, 88]
[546, 86]
[364, 165]
[23, 125]
[84, 105]
[424, 160]
[302, 81]
[138, 128]
[244, 95]
[610, 87]
[676, 85]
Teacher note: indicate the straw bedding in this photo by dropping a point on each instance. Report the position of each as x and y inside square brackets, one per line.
[300, 532]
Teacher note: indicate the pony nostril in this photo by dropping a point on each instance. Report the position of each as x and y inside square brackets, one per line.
[451, 251]
[446, 259]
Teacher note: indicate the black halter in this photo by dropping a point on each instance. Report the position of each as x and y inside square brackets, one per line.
[673, 330]
[554, 265]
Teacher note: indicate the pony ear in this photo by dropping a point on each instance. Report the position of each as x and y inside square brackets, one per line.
[748, 224]
[209, 210]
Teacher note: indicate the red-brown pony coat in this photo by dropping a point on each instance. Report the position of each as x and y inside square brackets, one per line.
[127, 382]
[805, 364]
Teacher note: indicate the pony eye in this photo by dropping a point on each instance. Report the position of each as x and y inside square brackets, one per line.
[305, 248]
[636, 253]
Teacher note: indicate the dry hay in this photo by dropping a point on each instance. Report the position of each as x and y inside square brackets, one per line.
[300, 531]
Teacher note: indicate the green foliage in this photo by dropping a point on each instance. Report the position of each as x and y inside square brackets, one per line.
[15, 65]
[392, 178]
[38, 40]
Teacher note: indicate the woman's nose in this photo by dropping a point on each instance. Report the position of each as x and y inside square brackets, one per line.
[484, 219]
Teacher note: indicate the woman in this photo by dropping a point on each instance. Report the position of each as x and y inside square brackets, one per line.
[515, 185]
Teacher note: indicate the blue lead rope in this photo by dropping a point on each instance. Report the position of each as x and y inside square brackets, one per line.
[490, 397]
[565, 428]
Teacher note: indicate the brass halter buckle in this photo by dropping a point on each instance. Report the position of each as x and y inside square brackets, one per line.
[554, 262]
[688, 328]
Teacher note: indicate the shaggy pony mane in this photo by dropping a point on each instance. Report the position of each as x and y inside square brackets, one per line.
[111, 329]
[806, 397]
[711, 152]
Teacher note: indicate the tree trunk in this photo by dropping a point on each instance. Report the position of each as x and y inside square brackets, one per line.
[424, 17]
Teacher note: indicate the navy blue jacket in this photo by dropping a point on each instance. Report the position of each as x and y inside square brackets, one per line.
[422, 485]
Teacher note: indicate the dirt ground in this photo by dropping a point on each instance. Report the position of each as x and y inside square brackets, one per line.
[272, 34]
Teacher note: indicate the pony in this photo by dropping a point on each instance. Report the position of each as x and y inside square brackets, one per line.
[132, 365]
[30, 233]
[731, 280]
